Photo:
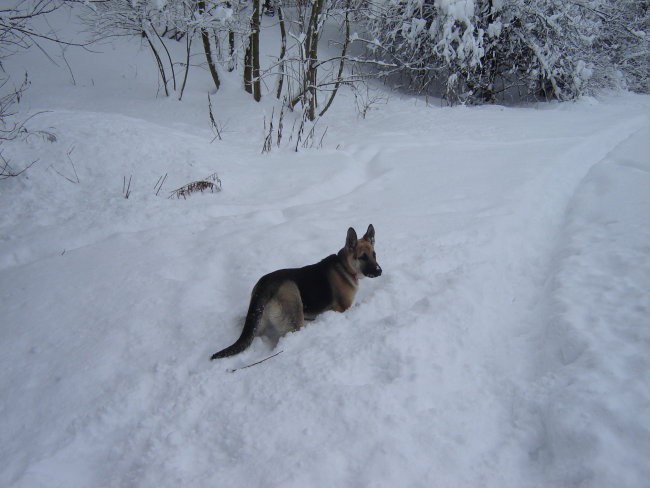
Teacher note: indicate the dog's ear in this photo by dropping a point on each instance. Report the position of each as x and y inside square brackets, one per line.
[351, 239]
[370, 235]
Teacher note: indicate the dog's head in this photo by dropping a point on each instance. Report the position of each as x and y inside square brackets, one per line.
[360, 253]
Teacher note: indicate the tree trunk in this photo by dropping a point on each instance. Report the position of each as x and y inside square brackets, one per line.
[311, 52]
[161, 68]
[188, 46]
[205, 37]
[255, 51]
[231, 51]
[252, 55]
[169, 58]
[248, 68]
[283, 51]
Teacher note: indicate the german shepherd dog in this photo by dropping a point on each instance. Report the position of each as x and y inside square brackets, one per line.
[281, 301]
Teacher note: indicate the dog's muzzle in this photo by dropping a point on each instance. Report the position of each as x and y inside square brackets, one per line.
[376, 272]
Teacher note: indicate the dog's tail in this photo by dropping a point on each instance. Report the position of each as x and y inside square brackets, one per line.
[251, 326]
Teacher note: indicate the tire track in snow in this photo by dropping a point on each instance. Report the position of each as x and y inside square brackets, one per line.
[591, 420]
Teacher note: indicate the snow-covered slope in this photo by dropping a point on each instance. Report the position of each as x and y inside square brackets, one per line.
[506, 343]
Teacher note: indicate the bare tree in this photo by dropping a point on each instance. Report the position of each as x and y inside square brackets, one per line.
[309, 74]
[152, 20]
[19, 33]
[114, 18]
[17, 30]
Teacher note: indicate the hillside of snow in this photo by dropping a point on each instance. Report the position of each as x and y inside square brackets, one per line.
[507, 342]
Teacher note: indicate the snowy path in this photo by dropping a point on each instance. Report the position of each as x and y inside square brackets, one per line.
[506, 343]
[594, 388]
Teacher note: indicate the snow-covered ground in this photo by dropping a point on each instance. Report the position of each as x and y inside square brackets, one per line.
[506, 344]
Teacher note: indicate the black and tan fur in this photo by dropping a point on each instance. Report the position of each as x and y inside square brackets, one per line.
[282, 300]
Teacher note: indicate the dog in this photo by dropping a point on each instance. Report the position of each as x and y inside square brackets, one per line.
[281, 301]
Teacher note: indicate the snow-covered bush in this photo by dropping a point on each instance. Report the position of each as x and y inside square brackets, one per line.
[625, 40]
[480, 50]
[544, 49]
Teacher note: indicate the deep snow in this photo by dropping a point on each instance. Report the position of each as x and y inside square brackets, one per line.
[506, 343]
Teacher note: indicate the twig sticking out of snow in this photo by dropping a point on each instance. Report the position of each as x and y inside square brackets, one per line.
[76, 176]
[159, 184]
[253, 364]
[126, 187]
[213, 123]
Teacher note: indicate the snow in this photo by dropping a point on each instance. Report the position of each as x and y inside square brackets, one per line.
[461, 10]
[505, 344]
[495, 28]
[458, 37]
